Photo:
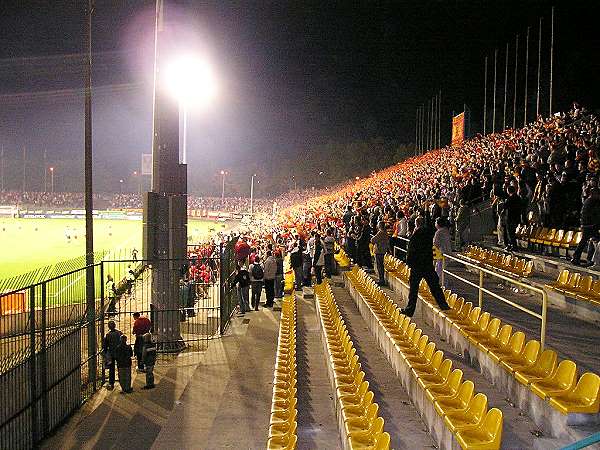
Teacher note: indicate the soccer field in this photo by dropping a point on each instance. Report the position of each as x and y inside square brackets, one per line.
[27, 244]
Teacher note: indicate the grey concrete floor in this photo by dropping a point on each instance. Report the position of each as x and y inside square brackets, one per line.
[402, 421]
[317, 425]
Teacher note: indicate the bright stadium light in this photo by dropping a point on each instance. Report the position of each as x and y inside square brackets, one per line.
[191, 81]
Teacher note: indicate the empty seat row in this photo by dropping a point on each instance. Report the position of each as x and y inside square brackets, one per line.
[531, 366]
[358, 419]
[288, 281]
[437, 386]
[502, 262]
[531, 236]
[576, 285]
[283, 425]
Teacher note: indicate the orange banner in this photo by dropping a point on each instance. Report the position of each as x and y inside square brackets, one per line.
[458, 129]
[12, 303]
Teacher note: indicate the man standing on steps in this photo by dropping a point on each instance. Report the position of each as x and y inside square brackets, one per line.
[381, 244]
[270, 271]
[419, 258]
[141, 326]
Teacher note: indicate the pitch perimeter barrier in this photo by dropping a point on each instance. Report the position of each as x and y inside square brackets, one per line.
[51, 352]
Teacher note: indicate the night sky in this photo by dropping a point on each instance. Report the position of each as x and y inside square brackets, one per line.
[293, 74]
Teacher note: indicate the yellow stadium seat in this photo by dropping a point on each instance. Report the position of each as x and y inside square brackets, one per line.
[287, 442]
[439, 376]
[593, 295]
[357, 397]
[499, 341]
[428, 368]
[558, 238]
[583, 398]
[468, 417]
[561, 281]
[366, 439]
[549, 238]
[382, 442]
[417, 349]
[584, 287]
[568, 237]
[281, 427]
[490, 332]
[351, 388]
[353, 411]
[562, 380]
[423, 357]
[479, 327]
[448, 387]
[527, 269]
[512, 349]
[543, 367]
[460, 400]
[526, 358]
[486, 436]
[362, 423]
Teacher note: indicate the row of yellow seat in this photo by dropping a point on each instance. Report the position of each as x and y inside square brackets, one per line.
[283, 425]
[362, 427]
[536, 369]
[549, 237]
[465, 413]
[501, 262]
[342, 259]
[577, 285]
[288, 282]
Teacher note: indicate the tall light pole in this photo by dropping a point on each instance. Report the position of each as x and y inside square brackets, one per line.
[121, 186]
[52, 179]
[252, 194]
[223, 173]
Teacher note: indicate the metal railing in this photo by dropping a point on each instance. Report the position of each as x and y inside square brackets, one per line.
[583, 443]
[481, 290]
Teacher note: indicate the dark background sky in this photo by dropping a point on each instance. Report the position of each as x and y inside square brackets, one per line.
[293, 74]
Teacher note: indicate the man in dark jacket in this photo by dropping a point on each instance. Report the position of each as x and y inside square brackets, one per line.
[512, 216]
[109, 347]
[590, 221]
[149, 357]
[420, 260]
[123, 355]
[296, 249]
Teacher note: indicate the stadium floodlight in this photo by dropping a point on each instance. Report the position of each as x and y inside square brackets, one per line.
[190, 80]
[52, 179]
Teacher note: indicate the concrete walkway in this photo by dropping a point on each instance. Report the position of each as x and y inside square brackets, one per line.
[402, 421]
[219, 398]
[317, 426]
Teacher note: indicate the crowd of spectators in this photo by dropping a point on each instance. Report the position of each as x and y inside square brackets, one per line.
[545, 173]
[75, 200]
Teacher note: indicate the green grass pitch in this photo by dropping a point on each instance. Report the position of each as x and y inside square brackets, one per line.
[27, 244]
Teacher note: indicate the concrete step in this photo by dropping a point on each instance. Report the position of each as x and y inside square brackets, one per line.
[317, 425]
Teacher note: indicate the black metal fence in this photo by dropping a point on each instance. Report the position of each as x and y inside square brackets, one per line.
[51, 341]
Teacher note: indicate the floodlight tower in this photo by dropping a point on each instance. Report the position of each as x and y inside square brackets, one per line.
[165, 207]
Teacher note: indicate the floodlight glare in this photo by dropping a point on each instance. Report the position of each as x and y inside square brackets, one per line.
[191, 80]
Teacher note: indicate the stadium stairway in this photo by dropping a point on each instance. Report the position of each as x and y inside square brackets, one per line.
[316, 417]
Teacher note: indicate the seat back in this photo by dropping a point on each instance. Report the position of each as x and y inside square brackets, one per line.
[585, 284]
[565, 375]
[382, 442]
[559, 236]
[453, 382]
[422, 343]
[444, 370]
[568, 237]
[465, 392]
[436, 360]
[563, 277]
[483, 321]
[474, 316]
[493, 327]
[530, 352]
[477, 407]
[376, 427]
[503, 336]
[576, 239]
[429, 351]
[573, 280]
[491, 426]
[587, 389]
[546, 362]
[515, 345]
[527, 269]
